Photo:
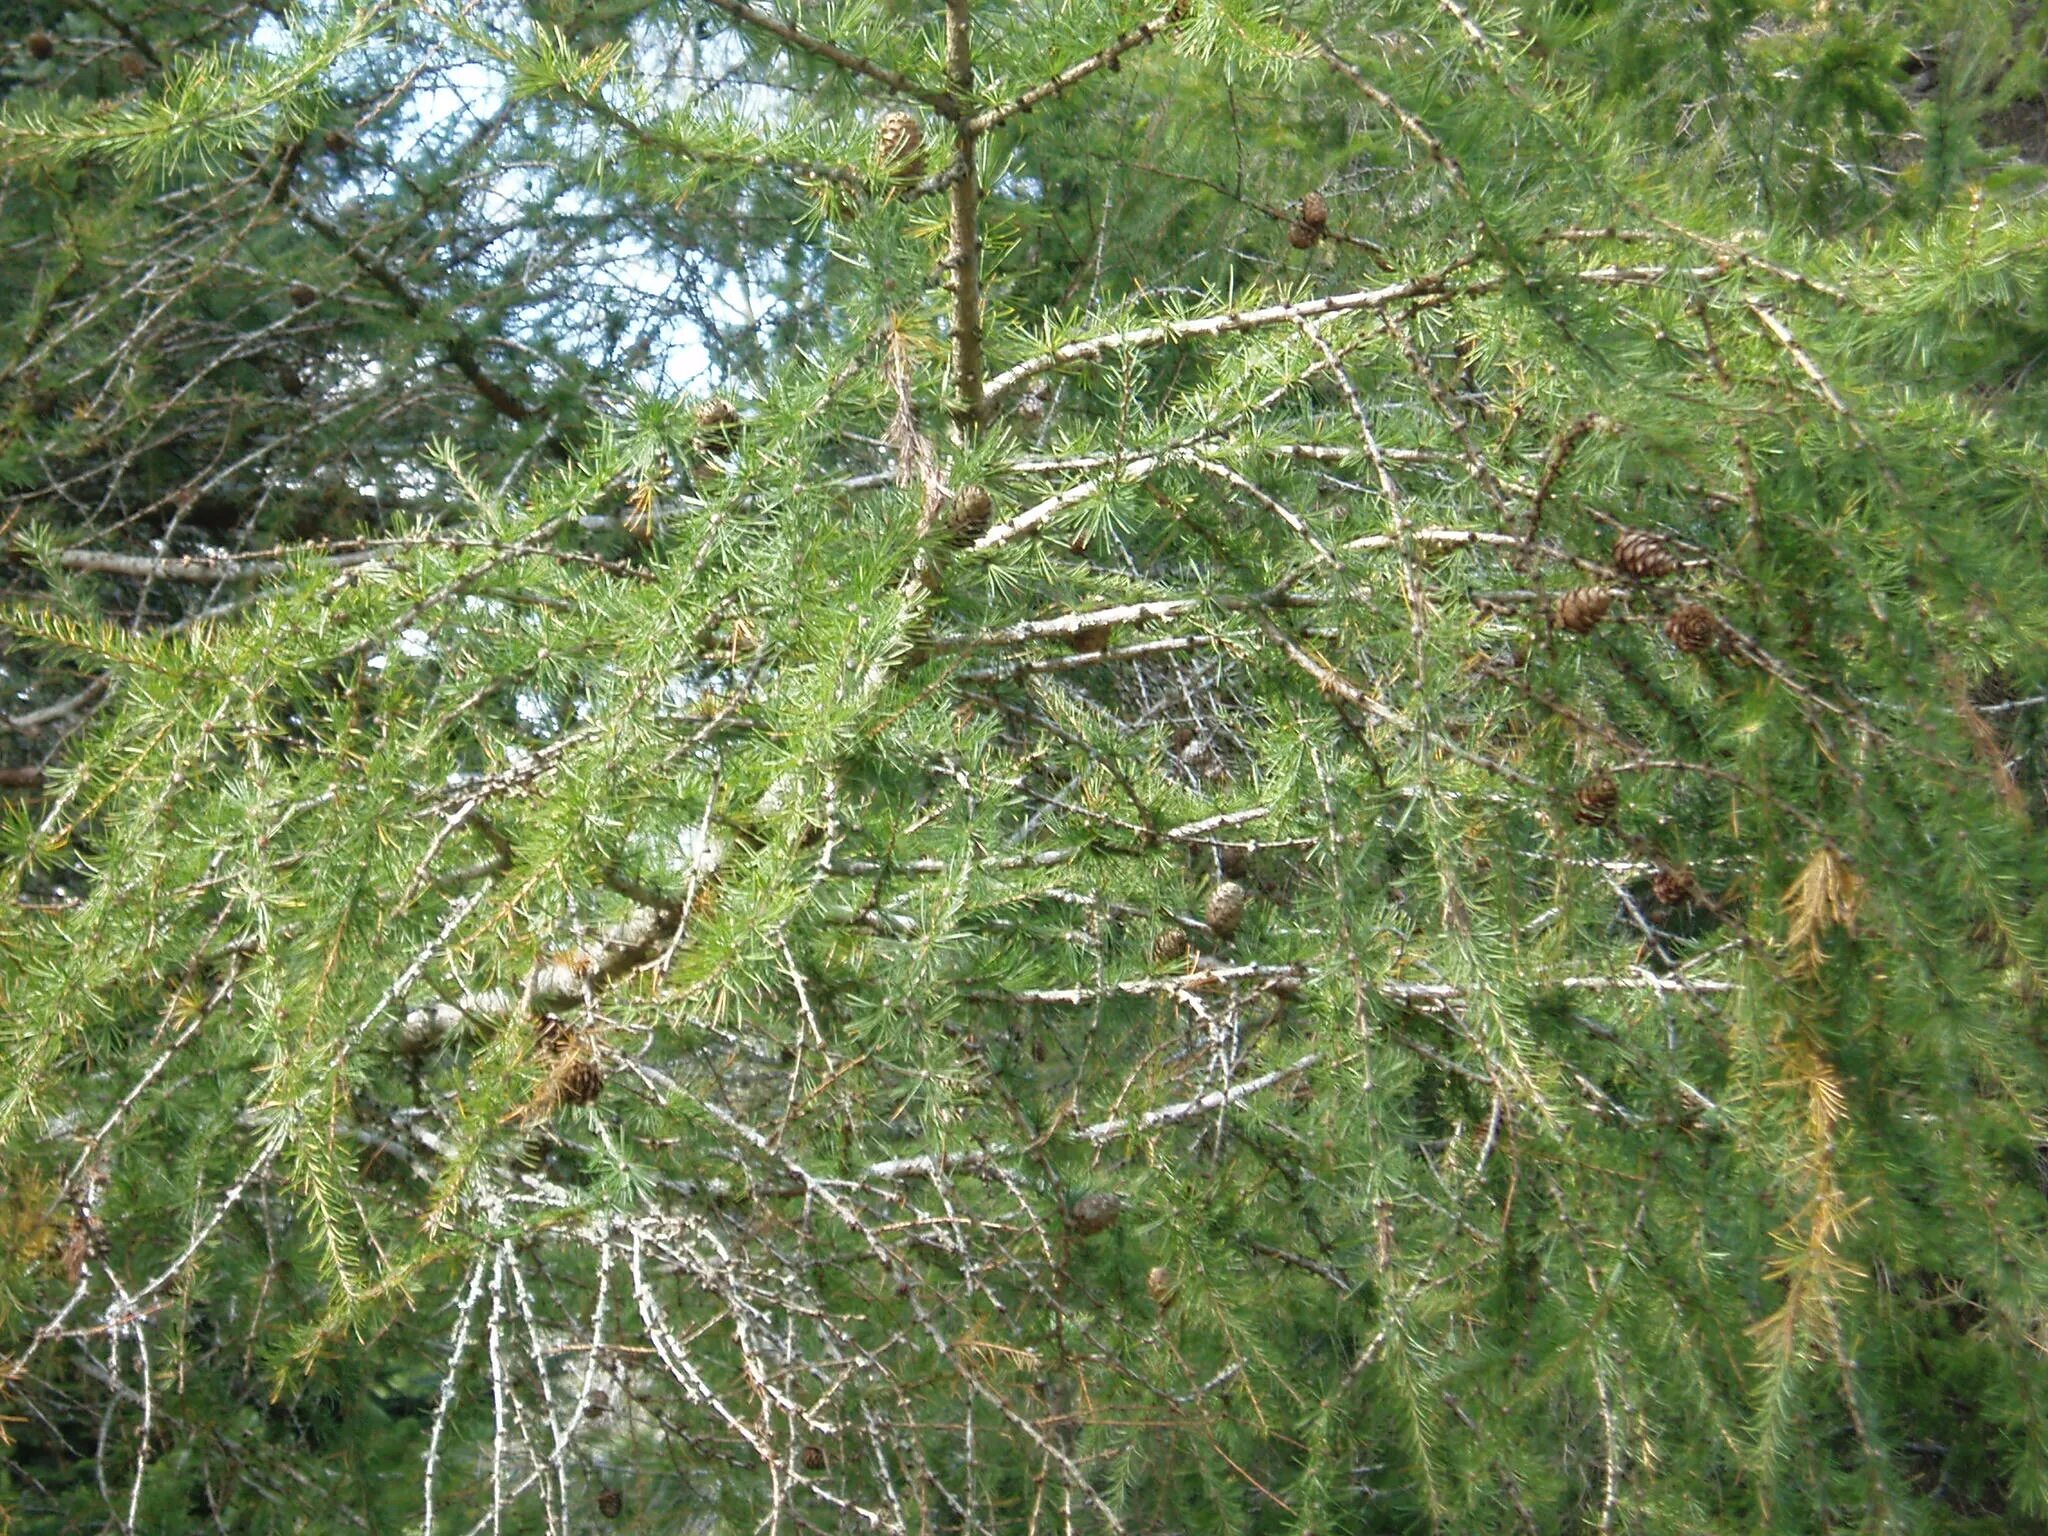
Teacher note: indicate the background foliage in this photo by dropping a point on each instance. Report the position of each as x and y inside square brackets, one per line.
[1028, 766]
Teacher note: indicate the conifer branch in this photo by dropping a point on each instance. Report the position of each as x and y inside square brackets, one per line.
[1107, 57]
[593, 102]
[1142, 650]
[1040, 513]
[460, 349]
[1067, 624]
[1410, 124]
[949, 106]
[564, 980]
[1782, 334]
[934, 1165]
[1424, 289]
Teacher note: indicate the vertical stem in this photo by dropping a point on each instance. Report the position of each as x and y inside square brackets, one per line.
[965, 257]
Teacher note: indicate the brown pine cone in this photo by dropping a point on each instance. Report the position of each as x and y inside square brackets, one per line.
[1642, 555]
[1596, 800]
[1302, 235]
[578, 1080]
[1159, 1286]
[337, 142]
[1171, 945]
[553, 1033]
[972, 506]
[718, 424]
[304, 295]
[134, 65]
[609, 1502]
[1673, 887]
[1693, 628]
[1225, 912]
[1032, 405]
[1095, 1213]
[899, 147]
[1090, 640]
[1581, 611]
[40, 45]
[1315, 213]
[814, 1458]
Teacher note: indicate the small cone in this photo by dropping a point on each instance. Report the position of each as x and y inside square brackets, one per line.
[303, 295]
[1693, 628]
[40, 45]
[578, 1080]
[609, 1502]
[718, 424]
[1596, 800]
[1315, 213]
[899, 147]
[1643, 556]
[1159, 1286]
[1225, 912]
[814, 1458]
[553, 1034]
[1171, 945]
[1673, 887]
[1581, 611]
[1094, 1213]
[337, 142]
[971, 510]
[1302, 236]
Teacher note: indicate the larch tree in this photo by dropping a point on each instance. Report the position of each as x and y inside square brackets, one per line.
[1023, 765]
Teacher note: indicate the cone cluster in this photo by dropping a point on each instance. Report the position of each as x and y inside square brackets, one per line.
[1310, 222]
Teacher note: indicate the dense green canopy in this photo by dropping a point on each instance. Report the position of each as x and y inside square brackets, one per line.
[1023, 765]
